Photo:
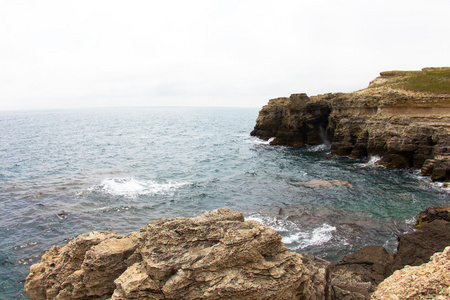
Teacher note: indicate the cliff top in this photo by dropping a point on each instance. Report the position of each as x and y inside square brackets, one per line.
[428, 80]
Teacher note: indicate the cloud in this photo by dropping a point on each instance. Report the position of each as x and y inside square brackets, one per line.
[57, 54]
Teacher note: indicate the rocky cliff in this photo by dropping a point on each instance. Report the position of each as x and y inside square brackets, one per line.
[406, 124]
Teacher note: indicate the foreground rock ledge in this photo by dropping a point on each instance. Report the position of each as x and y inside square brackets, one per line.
[217, 255]
[428, 281]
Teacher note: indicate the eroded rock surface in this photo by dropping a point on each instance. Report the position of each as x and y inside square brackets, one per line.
[294, 121]
[433, 213]
[428, 281]
[404, 128]
[416, 248]
[217, 255]
[357, 275]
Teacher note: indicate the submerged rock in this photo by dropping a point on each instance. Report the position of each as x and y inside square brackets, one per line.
[326, 183]
[428, 281]
[217, 255]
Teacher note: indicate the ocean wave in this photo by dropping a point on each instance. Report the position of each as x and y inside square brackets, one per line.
[132, 187]
[294, 236]
[318, 148]
[316, 237]
[426, 180]
[258, 141]
[371, 162]
[275, 224]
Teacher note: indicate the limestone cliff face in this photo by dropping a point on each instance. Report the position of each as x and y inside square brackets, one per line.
[405, 128]
[293, 121]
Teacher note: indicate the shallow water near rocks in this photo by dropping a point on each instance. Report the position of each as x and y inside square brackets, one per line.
[63, 173]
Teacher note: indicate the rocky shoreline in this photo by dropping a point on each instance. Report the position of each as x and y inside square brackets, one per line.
[219, 255]
[405, 128]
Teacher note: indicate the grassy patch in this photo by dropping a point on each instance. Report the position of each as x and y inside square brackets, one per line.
[432, 80]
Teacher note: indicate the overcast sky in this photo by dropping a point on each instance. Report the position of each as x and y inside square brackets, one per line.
[96, 53]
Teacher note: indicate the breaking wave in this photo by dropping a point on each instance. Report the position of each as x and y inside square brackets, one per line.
[132, 187]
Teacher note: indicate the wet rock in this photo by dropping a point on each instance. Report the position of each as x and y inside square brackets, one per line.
[437, 168]
[214, 256]
[416, 248]
[431, 214]
[428, 281]
[357, 275]
[293, 121]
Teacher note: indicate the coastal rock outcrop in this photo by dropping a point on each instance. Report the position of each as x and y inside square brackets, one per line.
[433, 213]
[406, 128]
[417, 247]
[293, 121]
[217, 255]
[428, 281]
[357, 275]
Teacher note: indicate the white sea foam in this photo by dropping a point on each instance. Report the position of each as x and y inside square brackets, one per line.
[131, 187]
[297, 238]
[373, 160]
[258, 141]
[318, 148]
[275, 224]
[318, 236]
[442, 186]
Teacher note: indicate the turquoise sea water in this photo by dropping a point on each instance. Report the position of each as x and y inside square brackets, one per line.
[63, 173]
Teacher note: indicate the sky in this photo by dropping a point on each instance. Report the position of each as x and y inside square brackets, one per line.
[107, 53]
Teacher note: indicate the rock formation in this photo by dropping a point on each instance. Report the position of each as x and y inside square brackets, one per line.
[405, 128]
[428, 281]
[431, 214]
[217, 255]
[326, 183]
[416, 248]
[357, 275]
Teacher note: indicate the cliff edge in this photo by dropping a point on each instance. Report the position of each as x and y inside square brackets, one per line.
[402, 116]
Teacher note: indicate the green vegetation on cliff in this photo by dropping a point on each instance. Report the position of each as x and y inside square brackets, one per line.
[431, 80]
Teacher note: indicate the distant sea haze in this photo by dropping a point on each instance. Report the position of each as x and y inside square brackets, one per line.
[63, 173]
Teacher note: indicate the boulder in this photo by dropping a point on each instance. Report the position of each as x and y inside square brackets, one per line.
[416, 248]
[433, 213]
[357, 275]
[326, 183]
[84, 268]
[217, 255]
[428, 281]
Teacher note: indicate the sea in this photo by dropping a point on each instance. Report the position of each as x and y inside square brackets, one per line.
[67, 172]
